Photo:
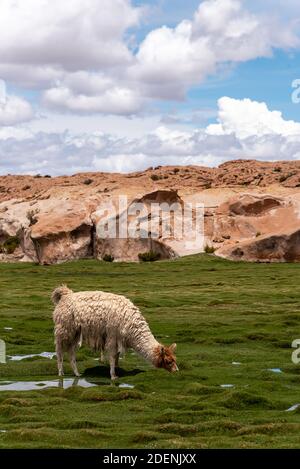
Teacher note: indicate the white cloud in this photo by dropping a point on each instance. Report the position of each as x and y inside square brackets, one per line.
[235, 136]
[114, 100]
[246, 118]
[123, 126]
[170, 60]
[72, 35]
[78, 53]
[16, 134]
[78, 56]
[13, 109]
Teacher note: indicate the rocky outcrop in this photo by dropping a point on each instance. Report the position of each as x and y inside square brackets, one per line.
[49, 231]
[57, 230]
[283, 247]
[250, 205]
[243, 174]
[144, 228]
[263, 228]
[129, 249]
[67, 245]
[63, 233]
[251, 212]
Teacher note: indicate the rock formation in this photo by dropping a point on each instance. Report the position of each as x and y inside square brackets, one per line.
[251, 213]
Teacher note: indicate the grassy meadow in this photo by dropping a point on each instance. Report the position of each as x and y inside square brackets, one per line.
[232, 322]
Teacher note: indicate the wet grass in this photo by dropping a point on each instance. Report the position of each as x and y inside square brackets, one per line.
[218, 312]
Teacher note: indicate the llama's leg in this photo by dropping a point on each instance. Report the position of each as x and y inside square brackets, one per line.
[60, 358]
[117, 359]
[112, 361]
[112, 349]
[72, 355]
[102, 357]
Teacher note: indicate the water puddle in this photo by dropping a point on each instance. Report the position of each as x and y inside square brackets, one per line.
[17, 358]
[236, 363]
[8, 328]
[3, 431]
[294, 407]
[126, 386]
[275, 370]
[37, 385]
[2, 351]
[227, 385]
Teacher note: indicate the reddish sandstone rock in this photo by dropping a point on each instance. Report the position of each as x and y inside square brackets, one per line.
[269, 248]
[251, 211]
[63, 233]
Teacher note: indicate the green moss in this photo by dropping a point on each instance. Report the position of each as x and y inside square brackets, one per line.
[241, 400]
[209, 249]
[149, 256]
[215, 310]
[10, 244]
[97, 394]
[108, 258]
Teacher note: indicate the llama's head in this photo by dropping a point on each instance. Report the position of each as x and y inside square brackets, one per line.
[165, 358]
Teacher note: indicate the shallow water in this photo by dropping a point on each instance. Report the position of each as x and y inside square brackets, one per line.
[275, 370]
[227, 385]
[18, 358]
[125, 385]
[37, 385]
[294, 407]
[2, 352]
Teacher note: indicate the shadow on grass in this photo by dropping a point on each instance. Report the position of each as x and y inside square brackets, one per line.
[104, 372]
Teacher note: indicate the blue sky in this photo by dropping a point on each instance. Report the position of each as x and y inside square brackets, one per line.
[136, 83]
[263, 79]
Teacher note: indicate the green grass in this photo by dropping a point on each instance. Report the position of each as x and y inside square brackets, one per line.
[218, 312]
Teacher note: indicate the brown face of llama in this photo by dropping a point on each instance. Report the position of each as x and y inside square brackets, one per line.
[165, 358]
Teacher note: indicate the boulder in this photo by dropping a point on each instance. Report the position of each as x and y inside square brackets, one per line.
[129, 249]
[62, 234]
[274, 247]
[249, 205]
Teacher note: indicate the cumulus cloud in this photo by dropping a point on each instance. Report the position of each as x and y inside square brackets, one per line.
[234, 136]
[114, 100]
[61, 47]
[246, 118]
[68, 35]
[13, 109]
[170, 60]
[78, 53]
[90, 92]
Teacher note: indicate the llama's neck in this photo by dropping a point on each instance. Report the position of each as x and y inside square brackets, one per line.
[145, 345]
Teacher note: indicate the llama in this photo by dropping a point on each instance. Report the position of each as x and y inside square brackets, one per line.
[106, 323]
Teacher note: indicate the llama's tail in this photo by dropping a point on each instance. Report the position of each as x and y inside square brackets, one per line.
[59, 292]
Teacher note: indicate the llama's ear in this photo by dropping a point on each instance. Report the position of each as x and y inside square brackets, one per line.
[172, 347]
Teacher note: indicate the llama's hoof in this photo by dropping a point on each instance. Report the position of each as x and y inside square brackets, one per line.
[113, 378]
[77, 375]
[61, 374]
